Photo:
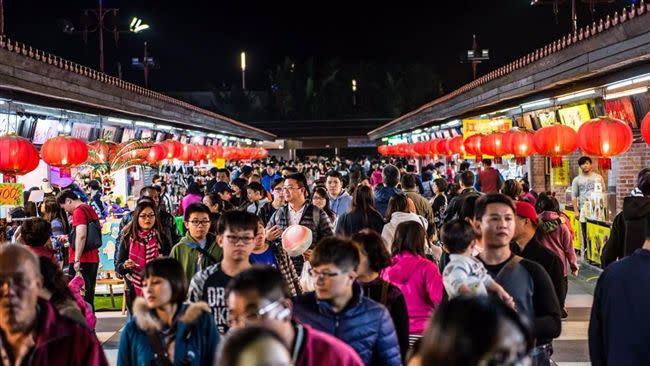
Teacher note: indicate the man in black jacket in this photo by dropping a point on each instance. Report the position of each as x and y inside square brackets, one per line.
[530, 247]
[619, 326]
[526, 281]
[467, 189]
[631, 225]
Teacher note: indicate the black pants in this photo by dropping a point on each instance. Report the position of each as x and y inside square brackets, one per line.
[89, 273]
[565, 290]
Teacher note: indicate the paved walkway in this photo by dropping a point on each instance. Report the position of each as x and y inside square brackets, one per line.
[570, 349]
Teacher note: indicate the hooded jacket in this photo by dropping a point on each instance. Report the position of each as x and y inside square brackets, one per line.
[364, 324]
[185, 253]
[341, 203]
[557, 238]
[196, 337]
[421, 283]
[629, 230]
[59, 341]
[388, 232]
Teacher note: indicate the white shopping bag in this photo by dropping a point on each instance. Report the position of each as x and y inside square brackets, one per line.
[305, 279]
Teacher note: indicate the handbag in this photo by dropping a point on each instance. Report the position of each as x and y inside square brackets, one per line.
[93, 233]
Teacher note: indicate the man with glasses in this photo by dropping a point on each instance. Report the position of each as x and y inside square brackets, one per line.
[259, 296]
[338, 306]
[198, 249]
[31, 330]
[298, 211]
[236, 236]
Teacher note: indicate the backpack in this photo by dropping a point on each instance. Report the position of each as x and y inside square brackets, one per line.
[93, 233]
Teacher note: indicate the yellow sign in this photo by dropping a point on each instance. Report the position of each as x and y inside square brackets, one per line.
[597, 236]
[560, 175]
[575, 227]
[220, 163]
[11, 194]
[574, 116]
[485, 126]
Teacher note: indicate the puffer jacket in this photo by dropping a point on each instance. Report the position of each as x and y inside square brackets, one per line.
[196, 336]
[557, 237]
[388, 232]
[364, 324]
[421, 284]
[629, 230]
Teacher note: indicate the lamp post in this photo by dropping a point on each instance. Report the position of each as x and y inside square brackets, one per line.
[476, 56]
[243, 70]
[354, 92]
[99, 16]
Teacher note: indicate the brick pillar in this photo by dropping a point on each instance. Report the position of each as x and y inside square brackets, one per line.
[628, 166]
[538, 173]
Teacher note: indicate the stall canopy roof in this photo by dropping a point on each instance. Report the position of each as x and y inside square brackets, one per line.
[28, 72]
[607, 45]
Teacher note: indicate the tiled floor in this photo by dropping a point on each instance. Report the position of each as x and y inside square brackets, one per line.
[570, 349]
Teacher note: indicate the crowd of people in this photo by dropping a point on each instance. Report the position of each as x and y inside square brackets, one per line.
[407, 266]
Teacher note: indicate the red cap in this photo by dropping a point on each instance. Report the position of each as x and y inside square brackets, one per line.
[526, 210]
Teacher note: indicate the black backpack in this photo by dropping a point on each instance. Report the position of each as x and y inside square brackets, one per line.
[93, 234]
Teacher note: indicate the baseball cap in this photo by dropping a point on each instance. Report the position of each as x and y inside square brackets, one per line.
[526, 210]
[221, 187]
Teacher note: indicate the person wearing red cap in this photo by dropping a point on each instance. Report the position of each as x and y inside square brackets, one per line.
[530, 244]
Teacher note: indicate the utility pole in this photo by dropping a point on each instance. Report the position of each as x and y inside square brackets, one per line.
[2, 18]
[145, 60]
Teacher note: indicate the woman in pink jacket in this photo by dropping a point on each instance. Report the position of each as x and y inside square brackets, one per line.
[417, 277]
[556, 236]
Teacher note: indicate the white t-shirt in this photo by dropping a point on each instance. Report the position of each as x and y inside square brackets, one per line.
[463, 270]
[295, 216]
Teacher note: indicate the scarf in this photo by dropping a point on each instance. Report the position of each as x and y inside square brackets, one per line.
[142, 250]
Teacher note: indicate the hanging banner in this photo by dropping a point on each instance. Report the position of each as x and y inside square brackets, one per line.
[11, 194]
[485, 126]
[575, 228]
[622, 109]
[574, 116]
[560, 175]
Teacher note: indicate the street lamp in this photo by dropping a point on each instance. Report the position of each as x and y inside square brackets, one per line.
[99, 15]
[354, 92]
[137, 26]
[475, 56]
[243, 70]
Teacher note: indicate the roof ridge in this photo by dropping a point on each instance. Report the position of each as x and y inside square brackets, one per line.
[536, 55]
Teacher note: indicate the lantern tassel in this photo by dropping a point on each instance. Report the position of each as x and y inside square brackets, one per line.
[498, 160]
[478, 158]
[521, 160]
[604, 163]
[556, 161]
[449, 159]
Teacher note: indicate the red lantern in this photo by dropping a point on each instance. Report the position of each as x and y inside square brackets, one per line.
[473, 146]
[17, 155]
[420, 147]
[605, 137]
[555, 141]
[188, 152]
[64, 151]
[156, 154]
[494, 144]
[381, 149]
[519, 142]
[645, 128]
[456, 145]
[101, 151]
[218, 152]
[173, 148]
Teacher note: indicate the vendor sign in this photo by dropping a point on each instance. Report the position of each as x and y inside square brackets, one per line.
[560, 175]
[574, 116]
[11, 194]
[485, 126]
[597, 236]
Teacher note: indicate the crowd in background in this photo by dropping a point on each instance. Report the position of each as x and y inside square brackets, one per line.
[441, 264]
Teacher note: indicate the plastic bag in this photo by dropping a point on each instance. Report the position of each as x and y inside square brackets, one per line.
[305, 279]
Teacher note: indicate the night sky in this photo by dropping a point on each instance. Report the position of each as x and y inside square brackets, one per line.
[197, 43]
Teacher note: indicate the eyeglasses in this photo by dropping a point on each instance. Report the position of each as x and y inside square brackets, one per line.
[290, 188]
[505, 358]
[234, 239]
[149, 216]
[318, 275]
[197, 223]
[253, 316]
